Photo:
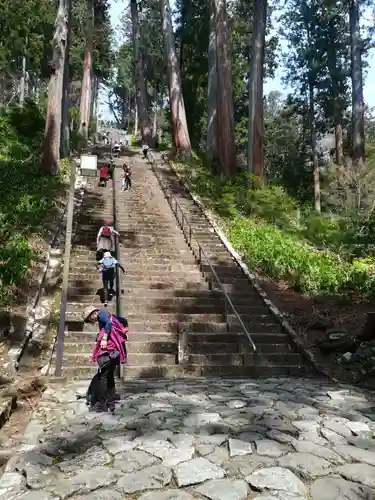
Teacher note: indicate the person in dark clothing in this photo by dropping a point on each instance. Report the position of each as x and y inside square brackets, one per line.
[108, 265]
[109, 351]
[126, 180]
[103, 176]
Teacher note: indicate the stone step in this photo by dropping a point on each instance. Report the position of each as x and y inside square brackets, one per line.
[248, 359]
[176, 371]
[76, 311]
[132, 347]
[267, 341]
[141, 308]
[134, 359]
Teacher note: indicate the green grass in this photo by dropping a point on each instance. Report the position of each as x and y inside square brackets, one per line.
[312, 254]
[28, 198]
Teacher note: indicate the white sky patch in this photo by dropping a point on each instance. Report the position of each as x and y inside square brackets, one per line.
[271, 84]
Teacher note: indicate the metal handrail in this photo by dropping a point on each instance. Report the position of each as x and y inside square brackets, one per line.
[190, 239]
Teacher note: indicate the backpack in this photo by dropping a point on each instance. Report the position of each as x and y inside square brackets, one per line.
[109, 263]
[106, 231]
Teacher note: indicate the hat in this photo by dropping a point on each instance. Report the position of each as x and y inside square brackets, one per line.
[88, 311]
[107, 255]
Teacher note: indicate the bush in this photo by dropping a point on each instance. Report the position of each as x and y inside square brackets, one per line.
[133, 140]
[26, 195]
[282, 256]
[262, 225]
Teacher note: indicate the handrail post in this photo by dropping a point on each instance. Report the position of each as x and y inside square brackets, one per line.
[64, 289]
[119, 311]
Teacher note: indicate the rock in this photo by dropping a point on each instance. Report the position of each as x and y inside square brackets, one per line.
[280, 495]
[196, 471]
[352, 454]
[93, 457]
[365, 444]
[120, 444]
[332, 436]
[338, 489]
[270, 448]
[166, 495]
[218, 456]
[102, 494]
[338, 427]
[167, 452]
[224, 489]
[359, 428]
[34, 495]
[358, 473]
[280, 437]
[236, 403]
[134, 460]
[85, 482]
[276, 479]
[237, 447]
[318, 450]
[305, 465]
[200, 419]
[151, 478]
[246, 465]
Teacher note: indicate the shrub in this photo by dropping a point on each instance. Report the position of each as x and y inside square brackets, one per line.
[133, 140]
[27, 196]
[273, 242]
[281, 256]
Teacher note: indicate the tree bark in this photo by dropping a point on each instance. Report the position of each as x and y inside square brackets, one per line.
[224, 97]
[87, 74]
[180, 132]
[140, 80]
[136, 121]
[314, 154]
[65, 130]
[255, 153]
[51, 148]
[211, 141]
[358, 120]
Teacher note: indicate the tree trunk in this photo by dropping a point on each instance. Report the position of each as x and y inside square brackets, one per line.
[211, 143]
[180, 132]
[314, 154]
[23, 81]
[65, 131]
[136, 121]
[141, 90]
[224, 97]
[358, 140]
[51, 147]
[87, 74]
[339, 142]
[255, 152]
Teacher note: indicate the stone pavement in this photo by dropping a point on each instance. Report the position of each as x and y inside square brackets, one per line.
[216, 439]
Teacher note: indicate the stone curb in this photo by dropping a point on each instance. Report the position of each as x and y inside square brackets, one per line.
[80, 186]
[251, 276]
[38, 316]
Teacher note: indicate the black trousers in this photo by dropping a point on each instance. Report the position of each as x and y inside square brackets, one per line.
[102, 385]
[128, 182]
[108, 279]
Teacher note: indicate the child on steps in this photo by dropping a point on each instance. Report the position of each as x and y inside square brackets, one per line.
[109, 351]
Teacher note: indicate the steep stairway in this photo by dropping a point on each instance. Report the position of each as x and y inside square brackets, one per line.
[276, 353]
[177, 323]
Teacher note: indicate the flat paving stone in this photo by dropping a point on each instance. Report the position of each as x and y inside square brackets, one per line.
[214, 438]
[196, 471]
[224, 489]
[276, 478]
[339, 489]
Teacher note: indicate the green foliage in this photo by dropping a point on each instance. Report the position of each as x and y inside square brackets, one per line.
[26, 195]
[264, 226]
[133, 140]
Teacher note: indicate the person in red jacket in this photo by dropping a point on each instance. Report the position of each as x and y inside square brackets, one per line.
[103, 176]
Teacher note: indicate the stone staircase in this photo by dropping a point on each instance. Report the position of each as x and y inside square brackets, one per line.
[177, 324]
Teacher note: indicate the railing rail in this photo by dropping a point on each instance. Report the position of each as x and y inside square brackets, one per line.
[64, 288]
[198, 251]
